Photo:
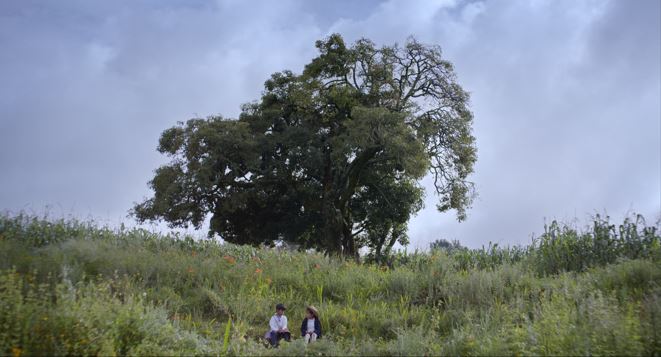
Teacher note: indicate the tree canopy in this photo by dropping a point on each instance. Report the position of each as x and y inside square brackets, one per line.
[330, 159]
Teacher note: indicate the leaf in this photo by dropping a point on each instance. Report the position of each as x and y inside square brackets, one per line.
[226, 338]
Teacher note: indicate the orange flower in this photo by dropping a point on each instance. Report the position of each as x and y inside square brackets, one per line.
[258, 271]
[230, 259]
[16, 352]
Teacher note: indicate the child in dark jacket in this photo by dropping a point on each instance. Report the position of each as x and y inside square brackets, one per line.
[311, 327]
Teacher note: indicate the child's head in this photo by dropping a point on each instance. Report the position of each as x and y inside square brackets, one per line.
[311, 312]
[280, 309]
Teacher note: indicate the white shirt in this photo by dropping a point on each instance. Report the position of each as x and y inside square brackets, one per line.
[278, 322]
[310, 325]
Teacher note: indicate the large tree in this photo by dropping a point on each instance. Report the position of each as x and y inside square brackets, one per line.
[330, 158]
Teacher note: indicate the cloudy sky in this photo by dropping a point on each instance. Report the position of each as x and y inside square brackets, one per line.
[566, 97]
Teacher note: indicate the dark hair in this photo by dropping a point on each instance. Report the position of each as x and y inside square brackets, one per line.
[280, 307]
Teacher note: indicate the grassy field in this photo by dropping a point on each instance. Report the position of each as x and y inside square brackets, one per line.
[70, 287]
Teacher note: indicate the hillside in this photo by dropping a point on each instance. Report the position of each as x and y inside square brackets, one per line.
[71, 287]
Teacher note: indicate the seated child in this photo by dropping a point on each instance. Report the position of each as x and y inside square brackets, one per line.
[311, 327]
[278, 326]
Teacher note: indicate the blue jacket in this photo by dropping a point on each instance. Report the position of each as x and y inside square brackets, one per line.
[317, 327]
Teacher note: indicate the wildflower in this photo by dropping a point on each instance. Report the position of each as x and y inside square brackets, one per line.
[258, 271]
[230, 259]
[16, 352]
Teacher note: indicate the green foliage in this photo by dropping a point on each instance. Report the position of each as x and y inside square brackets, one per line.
[329, 158]
[226, 337]
[85, 318]
[444, 244]
[90, 290]
[563, 248]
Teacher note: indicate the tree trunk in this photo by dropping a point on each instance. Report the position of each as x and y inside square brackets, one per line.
[379, 253]
[338, 225]
[350, 249]
[332, 229]
[330, 233]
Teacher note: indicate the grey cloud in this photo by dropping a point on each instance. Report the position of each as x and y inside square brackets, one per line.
[565, 95]
[87, 89]
[566, 102]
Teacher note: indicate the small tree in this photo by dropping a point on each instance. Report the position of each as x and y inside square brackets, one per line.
[446, 245]
[330, 158]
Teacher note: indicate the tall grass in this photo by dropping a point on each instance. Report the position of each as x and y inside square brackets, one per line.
[562, 248]
[70, 287]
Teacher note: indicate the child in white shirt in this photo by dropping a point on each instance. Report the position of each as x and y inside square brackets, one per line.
[278, 326]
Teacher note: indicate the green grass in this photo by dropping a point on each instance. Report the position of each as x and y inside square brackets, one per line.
[70, 287]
